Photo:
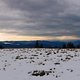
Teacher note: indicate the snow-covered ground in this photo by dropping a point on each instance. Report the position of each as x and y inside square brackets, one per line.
[39, 64]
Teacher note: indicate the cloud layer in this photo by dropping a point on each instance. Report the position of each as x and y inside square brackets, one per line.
[50, 18]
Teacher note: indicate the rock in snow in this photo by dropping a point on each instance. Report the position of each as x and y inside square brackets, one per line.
[39, 64]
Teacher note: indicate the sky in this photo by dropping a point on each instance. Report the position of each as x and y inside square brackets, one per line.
[39, 20]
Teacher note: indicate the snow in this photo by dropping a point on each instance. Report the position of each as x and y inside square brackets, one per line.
[21, 64]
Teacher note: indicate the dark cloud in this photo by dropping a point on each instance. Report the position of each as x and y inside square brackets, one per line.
[40, 17]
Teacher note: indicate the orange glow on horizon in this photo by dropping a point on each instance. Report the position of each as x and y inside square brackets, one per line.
[12, 37]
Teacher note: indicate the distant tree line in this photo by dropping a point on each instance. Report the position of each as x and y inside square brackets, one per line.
[65, 45]
[37, 45]
[70, 45]
[1, 46]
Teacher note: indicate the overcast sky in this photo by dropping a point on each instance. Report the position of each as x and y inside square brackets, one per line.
[39, 19]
